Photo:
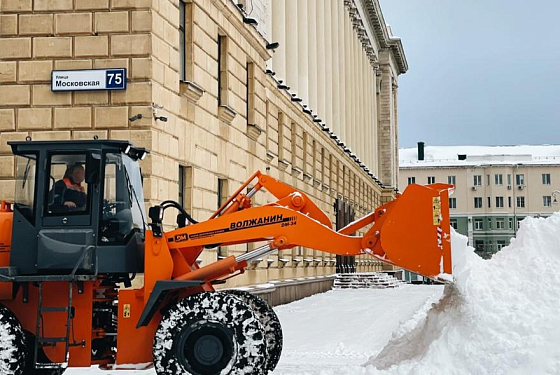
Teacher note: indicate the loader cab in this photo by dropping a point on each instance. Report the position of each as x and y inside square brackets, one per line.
[79, 207]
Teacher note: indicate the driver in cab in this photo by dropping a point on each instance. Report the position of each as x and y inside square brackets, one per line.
[68, 194]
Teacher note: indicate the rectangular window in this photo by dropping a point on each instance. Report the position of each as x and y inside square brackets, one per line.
[499, 179]
[68, 193]
[26, 166]
[520, 202]
[451, 180]
[546, 178]
[477, 202]
[501, 244]
[452, 203]
[411, 180]
[182, 42]
[181, 199]
[520, 179]
[477, 180]
[489, 202]
[478, 224]
[510, 223]
[547, 201]
[509, 179]
[453, 223]
[499, 202]
[479, 245]
[500, 224]
[509, 202]
[489, 223]
[488, 179]
[431, 180]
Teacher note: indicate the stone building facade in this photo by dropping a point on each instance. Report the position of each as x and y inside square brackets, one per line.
[213, 74]
[495, 187]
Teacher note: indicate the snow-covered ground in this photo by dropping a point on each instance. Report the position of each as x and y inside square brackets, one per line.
[500, 316]
[339, 329]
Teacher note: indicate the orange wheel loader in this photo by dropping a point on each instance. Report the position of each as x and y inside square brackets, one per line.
[77, 234]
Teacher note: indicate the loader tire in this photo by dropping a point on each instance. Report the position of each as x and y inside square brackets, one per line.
[270, 322]
[12, 344]
[209, 333]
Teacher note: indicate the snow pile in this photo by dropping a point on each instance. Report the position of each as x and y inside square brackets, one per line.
[502, 316]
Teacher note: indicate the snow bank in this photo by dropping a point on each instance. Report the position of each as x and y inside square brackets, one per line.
[501, 316]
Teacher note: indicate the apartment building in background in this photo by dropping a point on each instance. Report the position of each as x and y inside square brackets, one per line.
[496, 187]
[304, 90]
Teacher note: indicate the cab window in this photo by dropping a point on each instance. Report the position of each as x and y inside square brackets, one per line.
[68, 191]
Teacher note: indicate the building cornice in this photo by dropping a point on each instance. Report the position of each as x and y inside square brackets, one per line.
[370, 11]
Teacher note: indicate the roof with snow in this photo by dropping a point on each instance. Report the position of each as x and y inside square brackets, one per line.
[448, 156]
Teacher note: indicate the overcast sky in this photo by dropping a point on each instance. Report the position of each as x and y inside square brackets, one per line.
[481, 72]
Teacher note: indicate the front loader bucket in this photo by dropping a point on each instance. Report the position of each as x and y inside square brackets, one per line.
[415, 231]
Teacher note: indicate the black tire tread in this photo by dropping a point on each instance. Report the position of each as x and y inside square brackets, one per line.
[12, 344]
[271, 324]
[217, 307]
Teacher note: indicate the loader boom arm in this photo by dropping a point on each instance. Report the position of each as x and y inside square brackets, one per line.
[412, 232]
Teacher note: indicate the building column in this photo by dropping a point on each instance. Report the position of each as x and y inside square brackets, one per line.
[303, 51]
[347, 78]
[292, 37]
[312, 53]
[335, 90]
[279, 35]
[341, 70]
[327, 20]
[386, 131]
[321, 86]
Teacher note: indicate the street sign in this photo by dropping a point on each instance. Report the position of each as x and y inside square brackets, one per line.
[88, 80]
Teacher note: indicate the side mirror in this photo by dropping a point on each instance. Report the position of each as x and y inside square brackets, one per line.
[93, 167]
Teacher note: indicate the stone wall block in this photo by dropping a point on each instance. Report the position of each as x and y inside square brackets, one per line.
[92, 4]
[51, 136]
[74, 23]
[73, 64]
[51, 5]
[127, 45]
[7, 120]
[141, 21]
[52, 47]
[34, 118]
[89, 46]
[15, 48]
[131, 4]
[35, 71]
[111, 117]
[6, 137]
[8, 72]
[91, 97]
[42, 95]
[14, 95]
[89, 134]
[136, 93]
[71, 118]
[141, 68]
[7, 166]
[111, 63]
[106, 22]
[16, 5]
[8, 24]
[36, 24]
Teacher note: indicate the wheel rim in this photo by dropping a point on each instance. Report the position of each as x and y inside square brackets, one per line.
[206, 348]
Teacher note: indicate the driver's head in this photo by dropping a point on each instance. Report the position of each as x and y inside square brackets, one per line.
[76, 173]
